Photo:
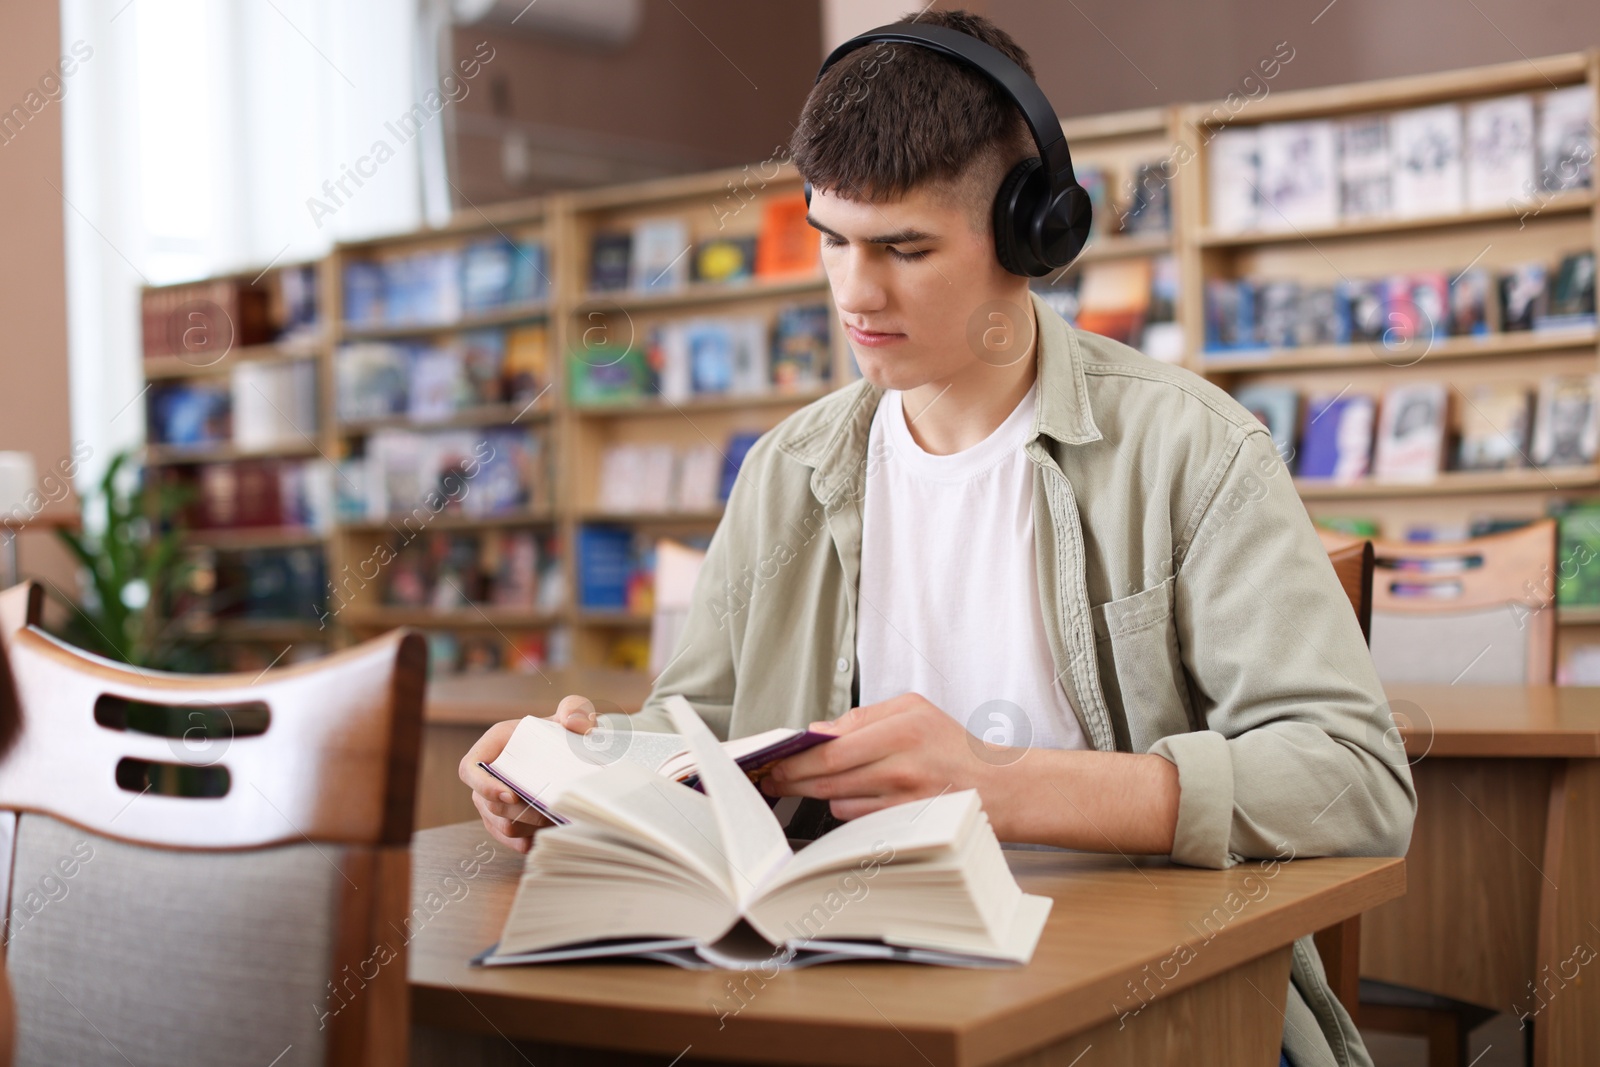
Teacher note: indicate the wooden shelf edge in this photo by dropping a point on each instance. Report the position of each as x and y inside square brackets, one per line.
[1455, 482]
[1322, 357]
[1558, 204]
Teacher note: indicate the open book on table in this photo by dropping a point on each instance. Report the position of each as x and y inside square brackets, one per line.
[646, 867]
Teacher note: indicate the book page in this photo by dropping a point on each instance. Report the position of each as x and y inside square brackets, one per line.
[752, 841]
[543, 758]
[901, 831]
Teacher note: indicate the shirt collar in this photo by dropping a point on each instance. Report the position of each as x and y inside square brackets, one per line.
[835, 445]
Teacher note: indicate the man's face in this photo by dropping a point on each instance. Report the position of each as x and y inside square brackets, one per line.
[921, 296]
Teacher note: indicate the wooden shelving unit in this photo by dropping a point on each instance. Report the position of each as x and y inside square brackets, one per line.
[1546, 227]
[578, 433]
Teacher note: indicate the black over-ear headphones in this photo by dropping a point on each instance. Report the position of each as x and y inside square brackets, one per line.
[1041, 213]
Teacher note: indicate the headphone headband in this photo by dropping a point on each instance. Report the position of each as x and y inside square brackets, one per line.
[994, 64]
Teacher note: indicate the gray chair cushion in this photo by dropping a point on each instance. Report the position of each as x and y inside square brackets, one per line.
[1480, 647]
[155, 956]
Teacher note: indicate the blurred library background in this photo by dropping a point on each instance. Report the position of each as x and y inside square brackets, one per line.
[327, 319]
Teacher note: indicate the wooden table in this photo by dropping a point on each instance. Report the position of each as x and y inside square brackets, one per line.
[460, 707]
[1504, 868]
[1142, 962]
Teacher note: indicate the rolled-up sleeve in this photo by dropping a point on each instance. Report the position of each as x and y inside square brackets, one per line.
[1297, 757]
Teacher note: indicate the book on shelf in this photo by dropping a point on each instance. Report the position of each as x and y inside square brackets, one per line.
[274, 404]
[1522, 297]
[610, 261]
[739, 445]
[646, 866]
[660, 261]
[1366, 173]
[608, 560]
[1566, 139]
[435, 382]
[1566, 425]
[1411, 432]
[441, 285]
[1150, 200]
[1495, 420]
[1469, 303]
[1162, 336]
[1500, 155]
[296, 304]
[475, 474]
[1337, 444]
[499, 272]
[787, 246]
[1234, 179]
[1113, 298]
[190, 414]
[1570, 305]
[802, 352]
[1298, 175]
[1102, 215]
[1426, 147]
[201, 322]
[677, 569]
[724, 259]
[256, 494]
[609, 375]
[268, 583]
[1277, 407]
[650, 478]
[1578, 548]
[458, 571]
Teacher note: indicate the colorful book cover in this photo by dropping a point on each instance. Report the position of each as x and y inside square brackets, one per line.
[1523, 297]
[725, 259]
[1578, 547]
[1494, 428]
[1411, 430]
[801, 352]
[1565, 427]
[1469, 303]
[1571, 300]
[660, 255]
[610, 258]
[1277, 407]
[787, 245]
[1337, 443]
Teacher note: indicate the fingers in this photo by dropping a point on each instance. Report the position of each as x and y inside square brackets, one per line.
[576, 713]
[515, 835]
[855, 748]
[486, 750]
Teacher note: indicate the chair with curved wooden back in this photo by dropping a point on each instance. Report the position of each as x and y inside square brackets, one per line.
[1467, 611]
[1352, 559]
[208, 869]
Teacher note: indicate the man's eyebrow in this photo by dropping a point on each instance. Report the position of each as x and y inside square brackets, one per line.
[899, 237]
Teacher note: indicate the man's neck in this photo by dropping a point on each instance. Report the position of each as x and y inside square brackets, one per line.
[956, 412]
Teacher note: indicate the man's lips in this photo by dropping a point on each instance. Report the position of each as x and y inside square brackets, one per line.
[872, 337]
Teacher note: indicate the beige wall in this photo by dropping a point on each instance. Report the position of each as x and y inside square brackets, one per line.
[34, 413]
[704, 84]
[1109, 55]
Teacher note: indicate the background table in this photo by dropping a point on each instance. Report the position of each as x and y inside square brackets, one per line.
[1142, 962]
[1504, 866]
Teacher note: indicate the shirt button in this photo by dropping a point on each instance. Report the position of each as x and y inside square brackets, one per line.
[843, 665]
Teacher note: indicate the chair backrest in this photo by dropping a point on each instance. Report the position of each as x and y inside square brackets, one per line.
[267, 909]
[1480, 611]
[1352, 562]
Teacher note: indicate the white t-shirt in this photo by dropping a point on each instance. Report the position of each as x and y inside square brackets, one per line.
[949, 594]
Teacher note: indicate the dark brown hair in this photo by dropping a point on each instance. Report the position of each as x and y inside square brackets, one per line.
[888, 118]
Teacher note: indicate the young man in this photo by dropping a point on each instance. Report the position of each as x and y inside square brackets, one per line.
[1020, 558]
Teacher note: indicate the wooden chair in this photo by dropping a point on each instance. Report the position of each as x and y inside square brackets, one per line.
[1475, 612]
[1433, 604]
[269, 911]
[1340, 945]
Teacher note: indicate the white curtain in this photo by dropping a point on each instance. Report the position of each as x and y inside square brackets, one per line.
[201, 136]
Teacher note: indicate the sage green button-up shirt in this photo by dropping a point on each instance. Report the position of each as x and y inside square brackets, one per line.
[1190, 609]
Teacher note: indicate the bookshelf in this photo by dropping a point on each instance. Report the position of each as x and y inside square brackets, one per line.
[562, 632]
[233, 366]
[698, 426]
[1537, 226]
[441, 391]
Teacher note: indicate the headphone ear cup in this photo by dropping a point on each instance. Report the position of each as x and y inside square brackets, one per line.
[1015, 205]
[808, 194]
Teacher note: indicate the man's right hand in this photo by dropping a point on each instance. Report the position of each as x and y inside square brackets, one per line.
[508, 820]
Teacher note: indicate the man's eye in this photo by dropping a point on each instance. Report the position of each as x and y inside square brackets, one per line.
[897, 254]
[829, 241]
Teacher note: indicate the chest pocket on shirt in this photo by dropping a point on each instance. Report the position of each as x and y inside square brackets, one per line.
[1136, 642]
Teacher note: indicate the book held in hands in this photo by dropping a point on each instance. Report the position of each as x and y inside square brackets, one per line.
[645, 867]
